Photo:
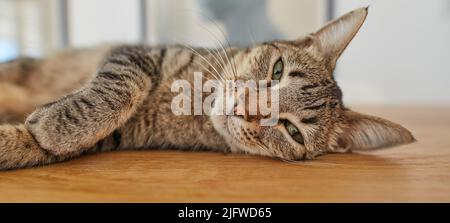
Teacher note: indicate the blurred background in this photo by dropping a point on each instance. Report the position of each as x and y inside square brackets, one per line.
[400, 56]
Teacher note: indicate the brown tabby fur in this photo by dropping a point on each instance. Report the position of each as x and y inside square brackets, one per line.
[112, 98]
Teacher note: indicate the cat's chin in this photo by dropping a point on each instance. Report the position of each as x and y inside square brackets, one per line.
[221, 125]
[224, 125]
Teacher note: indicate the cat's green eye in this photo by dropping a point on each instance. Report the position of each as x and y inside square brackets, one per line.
[294, 132]
[277, 70]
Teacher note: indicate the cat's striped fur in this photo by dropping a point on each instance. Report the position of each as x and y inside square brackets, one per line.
[113, 98]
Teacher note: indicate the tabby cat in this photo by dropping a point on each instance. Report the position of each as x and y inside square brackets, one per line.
[113, 98]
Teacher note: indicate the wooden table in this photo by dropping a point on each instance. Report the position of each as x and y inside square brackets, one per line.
[417, 172]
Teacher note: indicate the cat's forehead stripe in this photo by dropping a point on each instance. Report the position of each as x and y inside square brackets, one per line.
[273, 45]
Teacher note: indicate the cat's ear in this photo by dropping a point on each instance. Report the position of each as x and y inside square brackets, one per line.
[364, 132]
[332, 39]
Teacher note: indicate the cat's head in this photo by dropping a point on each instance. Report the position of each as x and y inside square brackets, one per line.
[312, 117]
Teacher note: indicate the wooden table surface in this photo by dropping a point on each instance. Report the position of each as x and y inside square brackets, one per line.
[419, 172]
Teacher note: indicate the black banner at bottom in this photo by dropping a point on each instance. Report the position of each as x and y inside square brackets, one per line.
[226, 212]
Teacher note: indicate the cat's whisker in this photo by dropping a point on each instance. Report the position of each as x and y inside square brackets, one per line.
[226, 71]
[218, 54]
[295, 162]
[232, 64]
[223, 63]
[217, 61]
[216, 76]
[207, 70]
[252, 38]
[229, 61]
[202, 57]
[263, 147]
[229, 73]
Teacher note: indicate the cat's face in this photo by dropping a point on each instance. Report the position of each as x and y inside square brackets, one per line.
[312, 118]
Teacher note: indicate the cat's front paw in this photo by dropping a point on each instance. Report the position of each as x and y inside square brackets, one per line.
[19, 149]
[50, 128]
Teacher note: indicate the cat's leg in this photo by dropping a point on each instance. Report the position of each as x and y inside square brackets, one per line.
[26, 83]
[19, 149]
[78, 121]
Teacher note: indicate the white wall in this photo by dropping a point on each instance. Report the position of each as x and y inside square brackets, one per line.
[186, 21]
[93, 22]
[297, 18]
[401, 55]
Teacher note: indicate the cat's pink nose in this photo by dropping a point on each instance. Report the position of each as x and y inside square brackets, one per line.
[237, 110]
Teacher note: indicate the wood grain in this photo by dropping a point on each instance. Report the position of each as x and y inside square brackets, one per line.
[419, 172]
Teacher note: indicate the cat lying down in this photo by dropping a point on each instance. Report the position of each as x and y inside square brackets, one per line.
[112, 98]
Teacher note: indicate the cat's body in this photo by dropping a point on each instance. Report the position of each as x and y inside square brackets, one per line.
[120, 97]
[152, 124]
